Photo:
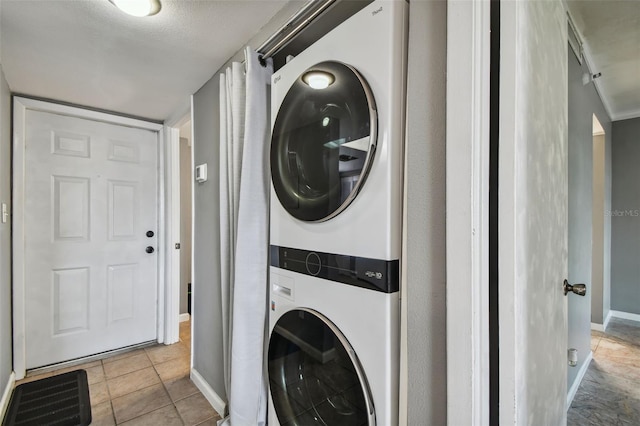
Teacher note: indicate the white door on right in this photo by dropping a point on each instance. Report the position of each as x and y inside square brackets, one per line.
[91, 223]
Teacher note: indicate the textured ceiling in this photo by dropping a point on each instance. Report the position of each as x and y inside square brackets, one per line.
[89, 53]
[611, 33]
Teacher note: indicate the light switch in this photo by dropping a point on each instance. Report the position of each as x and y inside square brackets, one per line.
[5, 213]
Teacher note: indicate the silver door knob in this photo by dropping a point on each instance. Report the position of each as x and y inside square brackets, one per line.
[579, 289]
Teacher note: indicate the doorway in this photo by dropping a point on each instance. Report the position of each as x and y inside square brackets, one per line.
[86, 237]
[601, 265]
[186, 189]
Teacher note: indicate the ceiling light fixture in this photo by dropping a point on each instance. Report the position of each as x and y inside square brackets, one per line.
[138, 7]
[318, 79]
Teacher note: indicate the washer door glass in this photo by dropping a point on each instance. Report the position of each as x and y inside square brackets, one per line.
[323, 141]
[315, 377]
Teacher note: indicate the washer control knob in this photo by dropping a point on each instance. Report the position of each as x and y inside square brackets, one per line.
[313, 263]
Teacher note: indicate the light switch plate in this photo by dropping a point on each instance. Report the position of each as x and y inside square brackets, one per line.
[5, 213]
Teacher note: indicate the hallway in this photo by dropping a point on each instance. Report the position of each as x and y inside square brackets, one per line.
[610, 393]
[149, 386]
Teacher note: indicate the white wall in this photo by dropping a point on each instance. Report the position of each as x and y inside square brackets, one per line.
[533, 213]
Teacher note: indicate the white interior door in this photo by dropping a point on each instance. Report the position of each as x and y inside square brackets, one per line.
[91, 198]
[533, 213]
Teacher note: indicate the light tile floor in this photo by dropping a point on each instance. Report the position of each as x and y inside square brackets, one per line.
[610, 391]
[149, 386]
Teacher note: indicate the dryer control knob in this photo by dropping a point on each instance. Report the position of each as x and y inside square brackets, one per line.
[313, 264]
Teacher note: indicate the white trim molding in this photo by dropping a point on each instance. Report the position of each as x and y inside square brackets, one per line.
[172, 231]
[626, 115]
[468, 65]
[6, 395]
[605, 323]
[214, 399]
[603, 327]
[625, 315]
[20, 107]
[576, 383]
[185, 317]
[508, 309]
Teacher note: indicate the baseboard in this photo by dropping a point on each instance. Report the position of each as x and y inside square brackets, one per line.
[625, 315]
[184, 317]
[607, 319]
[576, 383]
[6, 395]
[216, 402]
[603, 327]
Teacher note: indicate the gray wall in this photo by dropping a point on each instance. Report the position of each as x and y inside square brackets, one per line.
[583, 103]
[625, 217]
[426, 201]
[6, 344]
[186, 180]
[207, 319]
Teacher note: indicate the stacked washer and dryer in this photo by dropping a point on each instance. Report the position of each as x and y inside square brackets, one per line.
[336, 224]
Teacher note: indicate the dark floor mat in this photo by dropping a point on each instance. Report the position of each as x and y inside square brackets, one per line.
[61, 400]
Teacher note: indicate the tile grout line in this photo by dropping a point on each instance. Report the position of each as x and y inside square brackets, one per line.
[175, 407]
[162, 382]
[106, 383]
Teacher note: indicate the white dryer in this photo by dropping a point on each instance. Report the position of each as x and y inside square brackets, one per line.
[336, 224]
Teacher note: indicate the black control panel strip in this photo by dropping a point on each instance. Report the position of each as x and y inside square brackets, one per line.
[373, 274]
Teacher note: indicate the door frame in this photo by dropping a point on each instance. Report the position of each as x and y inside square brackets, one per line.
[166, 294]
[468, 237]
[172, 130]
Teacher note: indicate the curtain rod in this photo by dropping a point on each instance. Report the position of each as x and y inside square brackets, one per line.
[295, 24]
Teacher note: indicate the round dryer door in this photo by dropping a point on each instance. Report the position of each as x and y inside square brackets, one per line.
[314, 375]
[323, 141]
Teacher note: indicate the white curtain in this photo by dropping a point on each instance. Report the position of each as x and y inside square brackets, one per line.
[244, 232]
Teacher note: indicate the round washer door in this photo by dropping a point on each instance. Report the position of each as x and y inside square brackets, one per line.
[323, 141]
[314, 375]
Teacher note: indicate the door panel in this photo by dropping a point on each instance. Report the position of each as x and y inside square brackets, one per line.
[122, 212]
[70, 209]
[90, 197]
[70, 300]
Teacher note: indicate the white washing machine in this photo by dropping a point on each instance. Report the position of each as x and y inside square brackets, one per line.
[336, 224]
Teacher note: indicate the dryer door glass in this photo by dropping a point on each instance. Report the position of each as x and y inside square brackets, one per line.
[323, 141]
[315, 377]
